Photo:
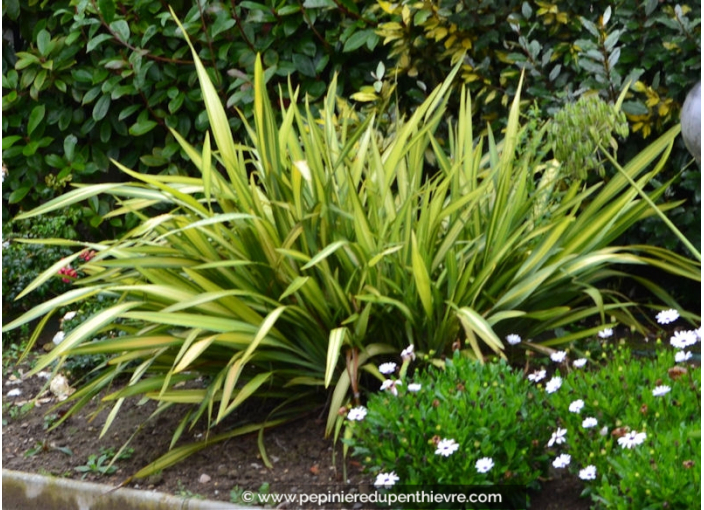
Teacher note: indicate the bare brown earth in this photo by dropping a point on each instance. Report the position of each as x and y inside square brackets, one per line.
[300, 455]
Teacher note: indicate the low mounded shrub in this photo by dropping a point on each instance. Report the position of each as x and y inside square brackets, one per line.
[626, 424]
[444, 421]
[606, 408]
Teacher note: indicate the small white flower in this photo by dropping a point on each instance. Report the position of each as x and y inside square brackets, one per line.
[536, 376]
[604, 430]
[447, 447]
[513, 339]
[562, 461]
[683, 339]
[576, 406]
[667, 316]
[484, 464]
[387, 368]
[58, 337]
[698, 332]
[588, 473]
[678, 342]
[357, 414]
[558, 356]
[390, 384]
[682, 356]
[691, 337]
[589, 422]
[632, 439]
[605, 333]
[553, 384]
[386, 480]
[70, 315]
[407, 354]
[414, 387]
[558, 437]
[659, 391]
[14, 393]
[579, 363]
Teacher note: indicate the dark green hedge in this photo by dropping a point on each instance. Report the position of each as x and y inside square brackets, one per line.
[85, 81]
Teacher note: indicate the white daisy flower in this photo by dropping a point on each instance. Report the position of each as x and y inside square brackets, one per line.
[659, 391]
[484, 464]
[414, 387]
[513, 339]
[390, 384]
[683, 339]
[667, 316]
[606, 333]
[588, 473]
[576, 406]
[386, 480]
[357, 413]
[579, 363]
[387, 368]
[558, 437]
[407, 354]
[553, 384]
[589, 422]
[447, 447]
[632, 439]
[562, 461]
[682, 356]
[558, 357]
[536, 376]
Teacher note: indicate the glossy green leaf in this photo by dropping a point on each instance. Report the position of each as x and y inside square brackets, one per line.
[101, 107]
[121, 28]
[107, 9]
[143, 127]
[35, 118]
[98, 39]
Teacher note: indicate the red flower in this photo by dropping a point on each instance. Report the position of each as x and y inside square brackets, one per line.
[69, 274]
[87, 255]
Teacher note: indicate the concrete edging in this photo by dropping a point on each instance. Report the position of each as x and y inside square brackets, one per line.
[25, 491]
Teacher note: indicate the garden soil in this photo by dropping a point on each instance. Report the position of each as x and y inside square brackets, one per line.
[300, 455]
